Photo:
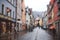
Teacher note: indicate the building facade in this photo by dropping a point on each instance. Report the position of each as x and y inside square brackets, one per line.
[51, 15]
[7, 16]
[27, 17]
[54, 15]
[45, 19]
[23, 15]
[19, 15]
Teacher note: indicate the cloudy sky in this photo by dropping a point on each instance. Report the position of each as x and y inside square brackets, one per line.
[37, 5]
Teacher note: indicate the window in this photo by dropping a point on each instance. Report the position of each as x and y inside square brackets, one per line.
[21, 1]
[8, 12]
[2, 8]
[49, 18]
[9, 0]
[13, 14]
[18, 19]
[22, 10]
[58, 13]
[58, 1]
[12, 1]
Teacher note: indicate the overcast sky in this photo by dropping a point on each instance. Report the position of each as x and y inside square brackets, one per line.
[37, 5]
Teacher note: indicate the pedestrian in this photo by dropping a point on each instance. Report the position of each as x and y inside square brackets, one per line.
[15, 29]
[38, 25]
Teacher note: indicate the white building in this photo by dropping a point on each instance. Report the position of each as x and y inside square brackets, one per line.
[45, 18]
[19, 22]
[27, 17]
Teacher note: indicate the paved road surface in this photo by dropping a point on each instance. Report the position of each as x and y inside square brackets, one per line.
[37, 34]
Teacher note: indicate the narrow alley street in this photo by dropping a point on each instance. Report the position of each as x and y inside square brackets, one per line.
[29, 19]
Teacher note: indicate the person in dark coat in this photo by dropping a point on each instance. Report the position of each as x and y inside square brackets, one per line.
[38, 25]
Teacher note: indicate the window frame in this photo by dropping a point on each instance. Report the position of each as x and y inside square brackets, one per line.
[2, 9]
[8, 11]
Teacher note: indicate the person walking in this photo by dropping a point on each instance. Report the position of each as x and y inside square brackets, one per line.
[38, 25]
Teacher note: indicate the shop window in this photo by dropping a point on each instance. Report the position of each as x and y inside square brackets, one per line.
[4, 27]
[0, 28]
[8, 27]
[2, 8]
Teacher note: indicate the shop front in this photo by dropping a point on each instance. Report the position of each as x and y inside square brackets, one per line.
[57, 24]
[6, 25]
[2, 26]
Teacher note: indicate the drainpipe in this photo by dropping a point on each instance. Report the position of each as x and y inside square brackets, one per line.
[16, 13]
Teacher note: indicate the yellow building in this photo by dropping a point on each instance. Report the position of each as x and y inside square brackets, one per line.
[41, 22]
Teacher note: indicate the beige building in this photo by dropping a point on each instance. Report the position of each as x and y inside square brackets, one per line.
[41, 22]
[23, 15]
